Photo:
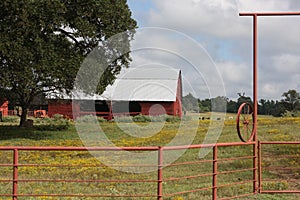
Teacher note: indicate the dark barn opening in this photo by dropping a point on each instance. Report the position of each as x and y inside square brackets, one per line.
[94, 106]
[126, 106]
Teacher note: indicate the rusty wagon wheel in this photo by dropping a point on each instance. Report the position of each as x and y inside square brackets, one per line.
[245, 122]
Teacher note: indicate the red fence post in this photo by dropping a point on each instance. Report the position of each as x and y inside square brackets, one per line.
[15, 174]
[255, 166]
[215, 172]
[160, 174]
[255, 106]
[259, 168]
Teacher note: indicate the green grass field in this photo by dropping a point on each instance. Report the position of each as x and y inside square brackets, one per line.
[269, 129]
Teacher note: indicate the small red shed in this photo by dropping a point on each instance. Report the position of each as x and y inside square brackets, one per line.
[4, 107]
[141, 90]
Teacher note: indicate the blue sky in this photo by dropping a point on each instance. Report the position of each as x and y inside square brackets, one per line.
[141, 5]
[226, 40]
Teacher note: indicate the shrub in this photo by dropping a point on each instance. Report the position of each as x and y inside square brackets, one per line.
[57, 117]
[145, 118]
[90, 118]
[159, 118]
[11, 119]
[291, 114]
[57, 123]
[101, 119]
[141, 118]
[123, 119]
[172, 119]
[86, 118]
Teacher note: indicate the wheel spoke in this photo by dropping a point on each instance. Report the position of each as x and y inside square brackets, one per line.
[248, 132]
[244, 117]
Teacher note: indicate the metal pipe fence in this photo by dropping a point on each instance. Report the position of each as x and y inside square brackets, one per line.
[22, 174]
[72, 172]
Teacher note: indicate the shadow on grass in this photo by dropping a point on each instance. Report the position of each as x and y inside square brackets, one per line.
[10, 132]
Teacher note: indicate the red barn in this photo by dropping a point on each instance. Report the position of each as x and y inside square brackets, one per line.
[146, 91]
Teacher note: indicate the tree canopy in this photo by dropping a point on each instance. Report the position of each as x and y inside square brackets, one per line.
[42, 44]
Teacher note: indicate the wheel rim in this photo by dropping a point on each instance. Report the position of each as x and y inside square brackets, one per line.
[245, 122]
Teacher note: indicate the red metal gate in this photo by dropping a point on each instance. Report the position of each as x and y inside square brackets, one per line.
[281, 160]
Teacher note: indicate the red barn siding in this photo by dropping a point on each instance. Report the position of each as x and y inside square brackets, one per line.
[147, 108]
[4, 107]
[63, 107]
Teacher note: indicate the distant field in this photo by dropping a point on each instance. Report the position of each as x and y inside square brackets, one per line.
[269, 129]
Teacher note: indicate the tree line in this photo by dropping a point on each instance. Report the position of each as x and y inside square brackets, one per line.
[289, 105]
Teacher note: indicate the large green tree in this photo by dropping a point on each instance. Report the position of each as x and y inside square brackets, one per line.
[43, 42]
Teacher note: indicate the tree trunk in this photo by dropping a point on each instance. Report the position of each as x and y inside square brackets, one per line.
[23, 116]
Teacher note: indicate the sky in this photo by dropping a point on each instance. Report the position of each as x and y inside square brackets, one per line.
[212, 45]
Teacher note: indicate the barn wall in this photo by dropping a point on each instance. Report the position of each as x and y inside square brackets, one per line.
[4, 107]
[157, 108]
[63, 107]
[178, 102]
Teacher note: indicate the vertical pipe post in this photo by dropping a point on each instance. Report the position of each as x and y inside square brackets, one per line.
[110, 115]
[255, 167]
[255, 82]
[215, 172]
[160, 174]
[259, 167]
[15, 174]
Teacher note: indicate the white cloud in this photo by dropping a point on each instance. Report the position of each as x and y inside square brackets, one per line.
[227, 38]
[206, 16]
[287, 64]
[235, 73]
[270, 90]
[282, 74]
[262, 6]
[166, 47]
[237, 78]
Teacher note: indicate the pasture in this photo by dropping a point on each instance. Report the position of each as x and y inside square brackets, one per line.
[82, 165]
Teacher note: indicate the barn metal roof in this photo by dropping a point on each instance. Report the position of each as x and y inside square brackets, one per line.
[138, 84]
[144, 84]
